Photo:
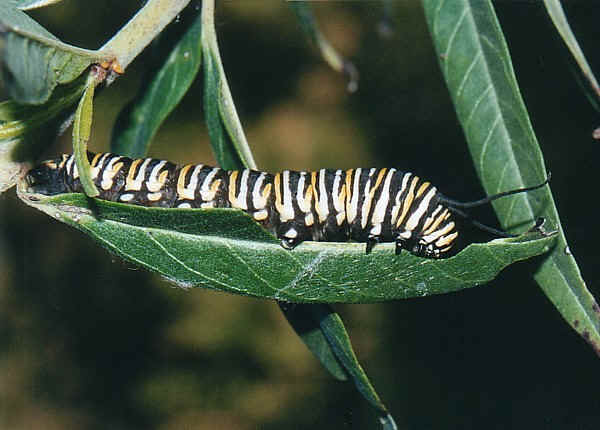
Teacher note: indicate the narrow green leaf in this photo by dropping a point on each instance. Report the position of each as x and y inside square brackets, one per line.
[34, 60]
[335, 332]
[225, 249]
[81, 134]
[476, 64]
[33, 4]
[24, 130]
[138, 123]
[224, 127]
[220, 141]
[557, 14]
[305, 322]
[336, 61]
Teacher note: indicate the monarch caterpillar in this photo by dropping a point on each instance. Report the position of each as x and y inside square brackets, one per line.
[366, 205]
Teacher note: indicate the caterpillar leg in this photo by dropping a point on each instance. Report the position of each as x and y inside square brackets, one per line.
[371, 242]
[290, 243]
[399, 246]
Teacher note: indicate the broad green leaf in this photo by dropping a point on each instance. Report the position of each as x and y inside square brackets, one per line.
[16, 120]
[137, 124]
[476, 64]
[225, 249]
[557, 14]
[232, 152]
[309, 24]
[24, 129]
[82, 127]
[34, 61]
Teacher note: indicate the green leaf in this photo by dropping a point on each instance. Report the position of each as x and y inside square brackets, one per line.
[138, 123]
[232, 152]
[334, 330]
[559, 19]
[224, 127]
[336, 61]
[81, 134]
[33, 60]
[24, 129]
[225, 249]
[33, 4]
[306, 323]
[476, 64]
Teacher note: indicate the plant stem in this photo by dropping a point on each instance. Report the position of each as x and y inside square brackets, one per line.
[145, 25]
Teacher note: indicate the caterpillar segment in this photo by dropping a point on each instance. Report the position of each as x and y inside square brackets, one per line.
[366, 205]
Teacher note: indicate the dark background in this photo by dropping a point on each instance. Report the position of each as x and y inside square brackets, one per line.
[90, 342]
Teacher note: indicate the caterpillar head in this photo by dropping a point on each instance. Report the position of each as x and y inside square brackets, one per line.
[434, 236]
[47, 178]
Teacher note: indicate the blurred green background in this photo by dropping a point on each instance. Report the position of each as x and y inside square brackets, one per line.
[90, 342]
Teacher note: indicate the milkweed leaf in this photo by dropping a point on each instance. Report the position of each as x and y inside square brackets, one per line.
[138, 123]
[476, 64]
[225, 249]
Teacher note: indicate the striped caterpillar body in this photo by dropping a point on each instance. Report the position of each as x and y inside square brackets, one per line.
[366, 205]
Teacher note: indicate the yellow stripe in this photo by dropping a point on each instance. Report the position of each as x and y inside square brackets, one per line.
[95, 159]
[278, 203]
[232, 187]
[406, 204]
[214, 187]
[308, 195]
[446, 240]
[266, 192]
[316, 191]
[438, 221]
[379, 180]
[422, 188]
[131, 174]
[349, 176]
[181, 180]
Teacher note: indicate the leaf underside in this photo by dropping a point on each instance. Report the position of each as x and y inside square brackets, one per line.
[225, 249]
[476, 64]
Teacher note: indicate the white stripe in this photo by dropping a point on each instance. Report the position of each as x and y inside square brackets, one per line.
[300, 196]
[287, 212]
[337, 203]
[69, 164]
[152, 184]
[437, 233]
[258, 201]
[323, 206]
[353, 209]
[137, 181]
[96, 169]
[205, 192]
[188, 192]
[108, 175]
[414, 219]
[239, 201]
[398, 203]
[384, 198]
[366, 205]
